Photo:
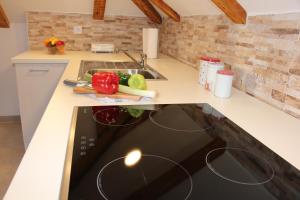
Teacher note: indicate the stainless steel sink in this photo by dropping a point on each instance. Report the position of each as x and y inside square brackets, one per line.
[146, 73]
[125, 67]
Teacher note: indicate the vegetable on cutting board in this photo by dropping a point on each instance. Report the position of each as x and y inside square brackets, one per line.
[118, 95]
[105, 82]
[144, 93]
[123, 78]
[88, 77]
[137, 86]
[109, 83]
[137, 81]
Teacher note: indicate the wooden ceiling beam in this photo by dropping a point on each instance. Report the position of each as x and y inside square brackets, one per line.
[233, 10]
[163, 6]
[4, 23]
[99, 9]
[146, 7]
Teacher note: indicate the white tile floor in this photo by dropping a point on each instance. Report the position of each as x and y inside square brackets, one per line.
[11, 152]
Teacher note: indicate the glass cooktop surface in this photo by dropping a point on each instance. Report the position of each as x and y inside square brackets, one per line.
[171, 152]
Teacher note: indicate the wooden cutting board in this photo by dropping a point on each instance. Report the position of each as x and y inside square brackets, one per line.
[88, 90]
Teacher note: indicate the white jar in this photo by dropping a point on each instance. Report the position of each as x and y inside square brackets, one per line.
[223, 84]
[212, 74]
[203, 68]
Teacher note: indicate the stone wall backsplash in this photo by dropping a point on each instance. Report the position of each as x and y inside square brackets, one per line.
[264, 54]
[124, 32]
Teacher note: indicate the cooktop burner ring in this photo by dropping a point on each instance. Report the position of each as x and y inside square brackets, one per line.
[99, 180]
[174, 129]
[211, 168]
[113, 125]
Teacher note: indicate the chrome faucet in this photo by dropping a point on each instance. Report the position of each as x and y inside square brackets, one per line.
[142, 63]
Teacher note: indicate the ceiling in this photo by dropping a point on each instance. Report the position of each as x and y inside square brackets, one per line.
[15, 8]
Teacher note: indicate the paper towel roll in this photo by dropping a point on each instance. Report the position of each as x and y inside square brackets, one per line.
[150, 42]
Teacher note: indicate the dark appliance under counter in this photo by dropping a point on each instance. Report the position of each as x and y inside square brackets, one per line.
[170, 152]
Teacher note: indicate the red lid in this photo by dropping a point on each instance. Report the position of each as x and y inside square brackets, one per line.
[226, 72]
[210, 59]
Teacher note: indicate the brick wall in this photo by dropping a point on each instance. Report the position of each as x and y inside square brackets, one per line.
[124, 32]
[265, 53]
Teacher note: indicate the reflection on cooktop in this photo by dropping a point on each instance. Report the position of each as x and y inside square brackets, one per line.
[170, 152]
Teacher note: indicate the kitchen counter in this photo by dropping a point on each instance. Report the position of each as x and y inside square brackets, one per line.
[40, 173]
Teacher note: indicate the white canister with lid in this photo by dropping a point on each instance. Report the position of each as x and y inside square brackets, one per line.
[203, 68]
[212, 70]
[223, 84]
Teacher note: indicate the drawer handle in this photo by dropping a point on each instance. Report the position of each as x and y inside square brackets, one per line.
[39, 70]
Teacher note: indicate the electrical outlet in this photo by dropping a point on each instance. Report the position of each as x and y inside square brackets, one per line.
[77, 29]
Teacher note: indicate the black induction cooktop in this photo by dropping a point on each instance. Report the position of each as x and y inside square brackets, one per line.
[170, 152]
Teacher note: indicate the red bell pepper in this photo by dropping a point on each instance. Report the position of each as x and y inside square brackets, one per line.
[105, 82]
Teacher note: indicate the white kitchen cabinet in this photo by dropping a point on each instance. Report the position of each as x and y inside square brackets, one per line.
[36, 84]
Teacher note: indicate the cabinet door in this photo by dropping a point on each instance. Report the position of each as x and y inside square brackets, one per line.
[36, 84]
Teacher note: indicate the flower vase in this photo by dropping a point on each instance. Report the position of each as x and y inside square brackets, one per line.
[52, 50]
[60, 49]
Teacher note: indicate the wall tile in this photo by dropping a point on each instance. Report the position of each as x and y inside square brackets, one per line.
[264, 53]
[124, 32]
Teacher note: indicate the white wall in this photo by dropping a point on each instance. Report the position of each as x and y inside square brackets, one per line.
[15, 8]
[264, 7]
[12, 42]
[253, 7]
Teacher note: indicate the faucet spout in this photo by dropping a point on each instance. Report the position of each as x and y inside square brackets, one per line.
[142, 63]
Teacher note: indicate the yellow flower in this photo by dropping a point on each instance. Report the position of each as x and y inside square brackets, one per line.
[53, 41]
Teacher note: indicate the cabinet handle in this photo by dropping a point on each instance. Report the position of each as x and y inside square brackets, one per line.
[39, 70]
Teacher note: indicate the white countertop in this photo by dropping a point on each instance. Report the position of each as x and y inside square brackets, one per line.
[40, 173]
